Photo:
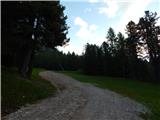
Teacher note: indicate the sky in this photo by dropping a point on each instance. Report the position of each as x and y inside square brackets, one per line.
[89, 20]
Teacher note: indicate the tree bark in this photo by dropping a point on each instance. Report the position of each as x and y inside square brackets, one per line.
[30, 65]
[25, 64]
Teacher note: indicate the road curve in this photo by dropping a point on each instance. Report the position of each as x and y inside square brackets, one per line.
[79, 101]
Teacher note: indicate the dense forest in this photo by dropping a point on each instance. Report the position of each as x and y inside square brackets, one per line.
[32, 30]
[28, 26]
[137, 56]
[52, 59]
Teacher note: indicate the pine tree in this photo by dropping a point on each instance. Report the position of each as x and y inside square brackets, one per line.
[149, 32]
[30, 26]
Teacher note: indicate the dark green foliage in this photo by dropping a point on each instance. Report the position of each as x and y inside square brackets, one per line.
[26, 27]
[124, 57]
[55, 60]
[108, 59]
[91, 59]
[112, 41]
[131, 46]
[149, 32]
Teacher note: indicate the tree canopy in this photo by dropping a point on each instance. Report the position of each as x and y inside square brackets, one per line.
[28, 26]
[125, 57]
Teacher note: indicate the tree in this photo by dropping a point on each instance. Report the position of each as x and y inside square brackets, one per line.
[121, 55]
[125, 57]
[53, 59]
[112, 41]
[106, 59]
[91, 63]
[149, 32]
[30, 26]
[131, 45]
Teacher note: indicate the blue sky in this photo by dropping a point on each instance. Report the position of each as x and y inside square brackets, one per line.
[89, 20]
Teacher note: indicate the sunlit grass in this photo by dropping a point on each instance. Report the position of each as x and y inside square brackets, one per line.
[144, 92]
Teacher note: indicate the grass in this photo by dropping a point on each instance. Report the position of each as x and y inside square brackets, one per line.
[17, 92]
[146, 93]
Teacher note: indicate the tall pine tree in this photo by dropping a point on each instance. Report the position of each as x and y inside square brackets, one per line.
[30, 26]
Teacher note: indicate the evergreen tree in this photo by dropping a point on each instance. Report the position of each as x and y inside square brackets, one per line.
[30, 26]
[121, 55]
[149, 32]
[106, 59]
[91, 59]
[112, 41]
[131, 44]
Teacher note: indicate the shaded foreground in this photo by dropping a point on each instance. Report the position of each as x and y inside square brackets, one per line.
[17, 91]
[79, 101]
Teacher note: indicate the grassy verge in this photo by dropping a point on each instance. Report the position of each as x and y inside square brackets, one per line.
[17, 92]
[146, 93]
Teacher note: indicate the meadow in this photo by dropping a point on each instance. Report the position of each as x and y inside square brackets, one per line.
[143, 92]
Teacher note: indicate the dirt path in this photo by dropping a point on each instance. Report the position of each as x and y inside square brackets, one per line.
[79, 101]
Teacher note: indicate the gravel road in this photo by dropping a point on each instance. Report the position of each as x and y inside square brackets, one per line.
[79, 101]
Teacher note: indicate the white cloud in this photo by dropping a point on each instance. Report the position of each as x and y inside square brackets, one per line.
[110, 9]
[93, 1]
[134, 12]
[80, 21]
[72, 48]
[93, 27]
[87, 33]
[85, 30]
[79, 48]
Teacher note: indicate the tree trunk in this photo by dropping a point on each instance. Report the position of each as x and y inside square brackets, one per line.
[25, 63]
[30, 65]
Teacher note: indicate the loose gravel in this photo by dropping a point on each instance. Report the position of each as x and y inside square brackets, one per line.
[79, 101]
